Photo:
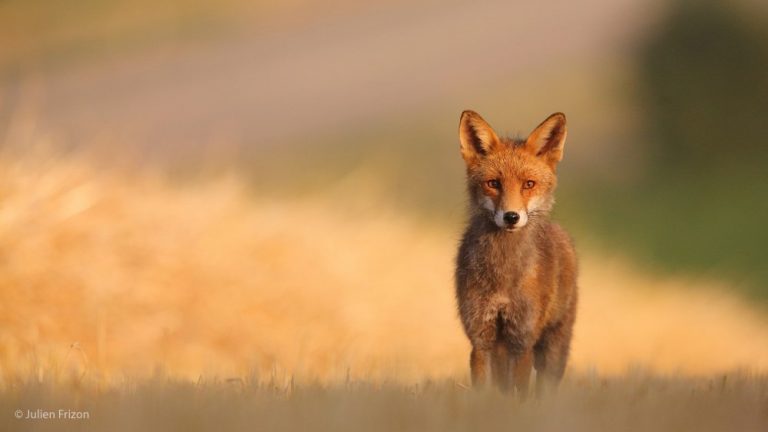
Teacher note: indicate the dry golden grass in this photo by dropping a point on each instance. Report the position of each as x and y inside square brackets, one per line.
[315, 313]
[107, 273]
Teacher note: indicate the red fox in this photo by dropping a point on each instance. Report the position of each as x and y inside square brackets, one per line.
[515, 270]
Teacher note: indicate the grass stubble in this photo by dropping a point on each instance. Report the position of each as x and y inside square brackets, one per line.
[634, 402]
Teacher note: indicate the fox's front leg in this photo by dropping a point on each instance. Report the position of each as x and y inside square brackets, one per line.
[483, 338]
[551, 356]
[521, 373]
[478, 365]
[500, 366]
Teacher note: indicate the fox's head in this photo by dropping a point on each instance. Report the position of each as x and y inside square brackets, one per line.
[511, 180]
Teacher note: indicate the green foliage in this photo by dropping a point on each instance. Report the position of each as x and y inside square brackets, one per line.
[705, 77]
[701, 205]
[705, 226]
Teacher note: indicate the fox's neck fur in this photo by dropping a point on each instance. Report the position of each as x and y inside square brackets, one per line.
[506, 255]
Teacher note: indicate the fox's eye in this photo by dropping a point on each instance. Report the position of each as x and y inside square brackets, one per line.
[529, 184]
[493, 184]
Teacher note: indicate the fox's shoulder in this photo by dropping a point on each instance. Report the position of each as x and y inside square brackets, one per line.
[561, 239]
[557, 231]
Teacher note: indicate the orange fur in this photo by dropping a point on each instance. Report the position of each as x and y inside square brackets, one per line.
[515, 274]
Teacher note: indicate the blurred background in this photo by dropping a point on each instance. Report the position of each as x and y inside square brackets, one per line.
[232, 186]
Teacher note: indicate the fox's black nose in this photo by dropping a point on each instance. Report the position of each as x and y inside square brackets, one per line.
[511, 218]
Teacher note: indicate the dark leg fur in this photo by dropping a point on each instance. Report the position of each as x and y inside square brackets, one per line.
[500, 366]
[551, 356]
[522, 373]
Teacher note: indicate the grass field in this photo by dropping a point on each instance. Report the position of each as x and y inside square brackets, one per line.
[155, 305]
[636, 402]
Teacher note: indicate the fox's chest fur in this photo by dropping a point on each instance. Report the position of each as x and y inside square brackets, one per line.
[508, 284]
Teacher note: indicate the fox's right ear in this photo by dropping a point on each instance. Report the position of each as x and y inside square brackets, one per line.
[548, 139]
[476, 136]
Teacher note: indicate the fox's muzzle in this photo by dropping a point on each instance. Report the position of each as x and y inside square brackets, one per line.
[511, 219]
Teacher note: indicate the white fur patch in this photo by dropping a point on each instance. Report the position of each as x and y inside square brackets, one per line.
[487, 204]
[535, 203]
[523, 219]
[499, 219]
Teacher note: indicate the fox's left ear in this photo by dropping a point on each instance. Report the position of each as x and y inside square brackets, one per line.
[477, 137]
[548, 139]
